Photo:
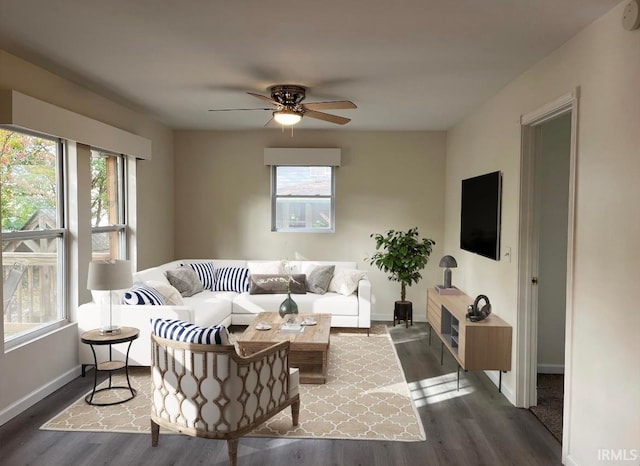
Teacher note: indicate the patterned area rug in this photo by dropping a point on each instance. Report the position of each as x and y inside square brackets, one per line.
[365, 398]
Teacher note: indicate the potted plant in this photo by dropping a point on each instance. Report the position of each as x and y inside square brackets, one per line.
[402, 255]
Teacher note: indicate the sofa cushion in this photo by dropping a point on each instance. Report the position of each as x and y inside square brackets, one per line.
[345, 281]
[179, 330]
[206, 273]
[328, 303]
[153, 273]
[170, 294]
[232, 279]
[265, 267]
[143, 294]
[185, 280]
[277, 283]
[210, 307]
[319, 277]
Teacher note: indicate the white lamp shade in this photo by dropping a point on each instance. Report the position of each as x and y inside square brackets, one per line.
[114, 275]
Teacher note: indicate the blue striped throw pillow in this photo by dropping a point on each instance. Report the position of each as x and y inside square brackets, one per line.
[143, 294]
[179, 330]
[206, 273]
[232, 279]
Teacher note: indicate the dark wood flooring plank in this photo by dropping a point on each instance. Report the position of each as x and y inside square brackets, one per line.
[476, 426]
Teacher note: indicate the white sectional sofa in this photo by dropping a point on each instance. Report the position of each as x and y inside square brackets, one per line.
[208, 308]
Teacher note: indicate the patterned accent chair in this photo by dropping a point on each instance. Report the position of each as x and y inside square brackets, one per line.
[210, 391]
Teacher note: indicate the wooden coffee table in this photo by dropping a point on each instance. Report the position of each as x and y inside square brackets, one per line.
[308, 351]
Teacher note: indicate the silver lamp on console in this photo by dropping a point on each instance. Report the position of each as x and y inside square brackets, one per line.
[109, 275]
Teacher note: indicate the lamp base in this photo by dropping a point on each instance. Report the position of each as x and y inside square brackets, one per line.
[451, 290]
[110, 330]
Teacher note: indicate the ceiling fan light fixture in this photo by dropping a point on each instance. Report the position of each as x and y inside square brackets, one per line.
[287, 117]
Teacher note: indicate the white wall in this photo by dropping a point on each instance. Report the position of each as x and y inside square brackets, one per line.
[388, 180]
[552, 210]
[604, 60]
[31, 371]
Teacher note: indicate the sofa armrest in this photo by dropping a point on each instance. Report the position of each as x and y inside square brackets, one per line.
[364, 303]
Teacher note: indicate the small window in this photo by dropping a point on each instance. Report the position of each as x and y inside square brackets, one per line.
[33, 245]
[108, 203]
[303, 199]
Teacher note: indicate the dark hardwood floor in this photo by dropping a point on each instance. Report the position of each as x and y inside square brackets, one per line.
[473, 426]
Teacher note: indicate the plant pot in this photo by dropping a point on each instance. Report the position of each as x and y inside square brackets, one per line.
[403, 310]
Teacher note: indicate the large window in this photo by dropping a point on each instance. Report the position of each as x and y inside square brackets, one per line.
[303, 199]
[32, 232]
[108, 202]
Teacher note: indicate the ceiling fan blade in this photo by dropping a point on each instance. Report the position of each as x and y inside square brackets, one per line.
[327, 117]
[265, 98]
[235, 109]
[334, 105]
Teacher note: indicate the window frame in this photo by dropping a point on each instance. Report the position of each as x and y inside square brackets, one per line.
[62, 250]
[275, 197]
[121, 226]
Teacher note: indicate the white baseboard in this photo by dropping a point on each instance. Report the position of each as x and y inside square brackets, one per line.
[550, 368]
[494, 376]
[32, 398]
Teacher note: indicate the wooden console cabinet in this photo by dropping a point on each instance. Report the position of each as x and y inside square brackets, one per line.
[484, 345]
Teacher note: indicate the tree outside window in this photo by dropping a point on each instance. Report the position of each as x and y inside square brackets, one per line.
[107, 206]
[32, 231]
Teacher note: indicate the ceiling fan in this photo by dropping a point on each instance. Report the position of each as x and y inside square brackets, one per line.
[288, 108]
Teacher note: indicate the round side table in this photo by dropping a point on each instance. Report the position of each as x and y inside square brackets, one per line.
[95, 338]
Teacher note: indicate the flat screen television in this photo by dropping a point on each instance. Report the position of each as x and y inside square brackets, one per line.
[480, 215]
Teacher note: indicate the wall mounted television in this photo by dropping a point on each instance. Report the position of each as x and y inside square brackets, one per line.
[480, 215]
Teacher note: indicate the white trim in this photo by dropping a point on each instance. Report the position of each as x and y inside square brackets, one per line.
[327, 157]
[571, 249]
[41, 393]
[551, 110]
[569, 461]
[526, 364]
[508, 393]
[23, 111]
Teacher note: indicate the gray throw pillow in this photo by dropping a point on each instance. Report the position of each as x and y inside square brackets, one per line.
[319, 277]
[185, 280]
[276, 283]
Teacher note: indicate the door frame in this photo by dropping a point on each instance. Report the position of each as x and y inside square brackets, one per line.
[527, 335]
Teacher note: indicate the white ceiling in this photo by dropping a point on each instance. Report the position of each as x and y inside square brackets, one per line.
[406, 64]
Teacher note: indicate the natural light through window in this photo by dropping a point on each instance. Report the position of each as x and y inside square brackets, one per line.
[32, 232]
[303, 199]
[436, 389]
[108, 204]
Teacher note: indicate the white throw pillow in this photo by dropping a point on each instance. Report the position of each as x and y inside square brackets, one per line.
[345, 281]
[265, 267]
[170, 294]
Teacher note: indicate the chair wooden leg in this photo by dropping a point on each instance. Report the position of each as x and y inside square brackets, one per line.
[295, 412]
[155, 433]
[232, 447]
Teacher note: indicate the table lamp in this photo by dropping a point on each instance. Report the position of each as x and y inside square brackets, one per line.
[448, 262]
[109, 275]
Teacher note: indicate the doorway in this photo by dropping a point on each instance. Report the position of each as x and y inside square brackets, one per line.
[546, 261]
[550, 218]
